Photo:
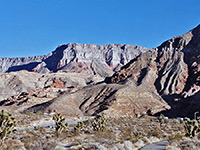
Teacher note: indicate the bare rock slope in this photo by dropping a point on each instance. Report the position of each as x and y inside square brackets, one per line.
[113, 100]
[172, 69]
[14, 83]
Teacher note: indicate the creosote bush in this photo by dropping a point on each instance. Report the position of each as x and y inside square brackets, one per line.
[7, 124]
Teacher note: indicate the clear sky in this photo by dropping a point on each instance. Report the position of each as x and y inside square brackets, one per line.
[37, 27]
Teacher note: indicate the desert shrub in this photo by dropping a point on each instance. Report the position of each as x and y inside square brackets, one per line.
[104, 135]
[178, 136]
[154, 132]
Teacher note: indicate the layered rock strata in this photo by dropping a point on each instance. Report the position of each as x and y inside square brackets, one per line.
[80, 58]
[164, 79]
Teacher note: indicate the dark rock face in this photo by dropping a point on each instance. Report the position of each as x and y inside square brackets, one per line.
[80, 58]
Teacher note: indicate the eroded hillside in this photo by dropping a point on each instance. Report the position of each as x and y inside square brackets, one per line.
[164, 79]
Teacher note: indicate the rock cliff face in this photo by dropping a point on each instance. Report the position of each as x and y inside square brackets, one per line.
[172, 67]
[172, 70]
[81, 58]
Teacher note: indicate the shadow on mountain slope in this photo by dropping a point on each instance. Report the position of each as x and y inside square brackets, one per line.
[28, 67]
[39, 107]
[54, 59]
[180, 106]
[184, 107]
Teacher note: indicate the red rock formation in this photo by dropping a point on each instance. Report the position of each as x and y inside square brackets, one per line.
[57, 84]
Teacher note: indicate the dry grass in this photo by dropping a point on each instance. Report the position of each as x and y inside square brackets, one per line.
[118, 130]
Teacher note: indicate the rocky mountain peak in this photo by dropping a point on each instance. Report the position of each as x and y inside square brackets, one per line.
[74, 57]
[172, 70]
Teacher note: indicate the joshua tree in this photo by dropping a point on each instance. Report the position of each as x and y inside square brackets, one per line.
[192, 127]
[60, 123]
[161, 119]
[99, 123]
[7, 124]
[80, 125]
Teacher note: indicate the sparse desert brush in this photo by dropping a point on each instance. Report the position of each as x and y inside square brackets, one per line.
[12, 144]
[131, 133]
[37, 140]
[40, 113]
[105, 134]
[175, 137]
[126, 133]
[161, 118]
[117, 130]
[155, 132]
[30, 113]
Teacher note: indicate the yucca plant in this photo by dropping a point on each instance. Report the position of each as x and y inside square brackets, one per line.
[80, 125]
[60, 123]
[7, 124]
[161, 119]
[192, 127]
[99, 123]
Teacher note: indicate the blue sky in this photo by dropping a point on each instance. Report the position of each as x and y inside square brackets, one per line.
[37, 27]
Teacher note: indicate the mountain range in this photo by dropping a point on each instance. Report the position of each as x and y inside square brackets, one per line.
[114, 79]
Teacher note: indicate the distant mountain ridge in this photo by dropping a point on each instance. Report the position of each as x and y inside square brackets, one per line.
[81, 58]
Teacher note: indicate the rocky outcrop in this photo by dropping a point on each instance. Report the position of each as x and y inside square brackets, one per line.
[80, 58]
[13, 83]
[172, 67]
[178, 61]
[171, 70]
